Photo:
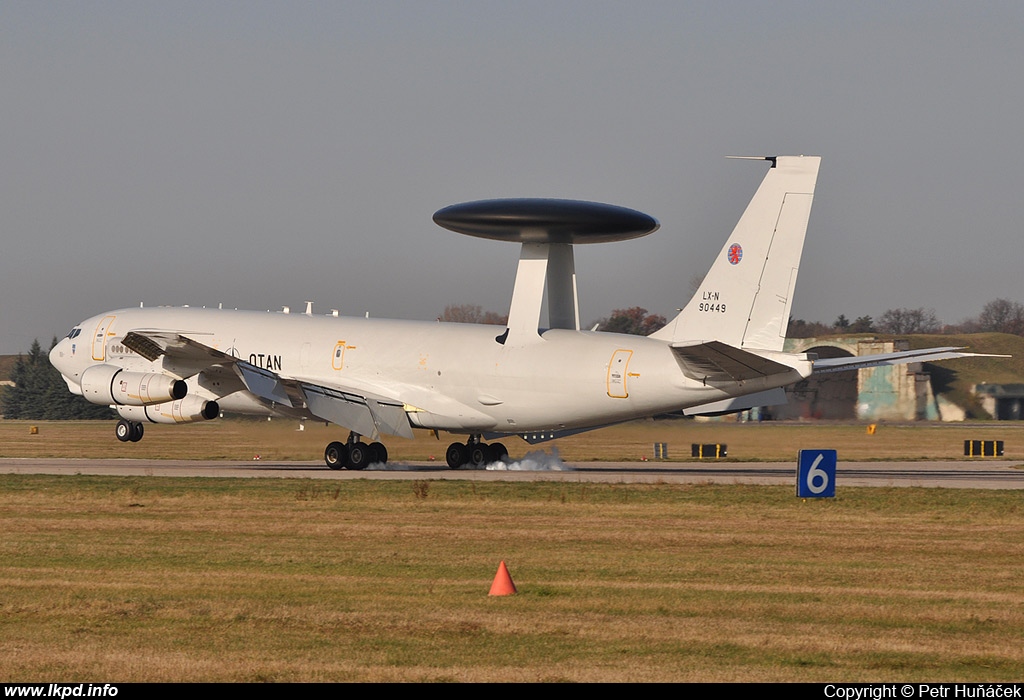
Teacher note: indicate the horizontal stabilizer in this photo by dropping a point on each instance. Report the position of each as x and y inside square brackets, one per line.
[843, 364]
[717, 362]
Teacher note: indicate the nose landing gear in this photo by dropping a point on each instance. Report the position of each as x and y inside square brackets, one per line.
[127, 430]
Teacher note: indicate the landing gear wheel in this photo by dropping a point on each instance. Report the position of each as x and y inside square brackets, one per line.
[380, 453]
[457, 455]
[137, 430]
[123, 430]
[358, 456]
[336, 455]
[480, 454]
[499, 452]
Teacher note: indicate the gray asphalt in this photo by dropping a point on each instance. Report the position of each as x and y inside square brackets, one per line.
[979, 473]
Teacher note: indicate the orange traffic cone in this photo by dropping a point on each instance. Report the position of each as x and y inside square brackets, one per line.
[502, 582]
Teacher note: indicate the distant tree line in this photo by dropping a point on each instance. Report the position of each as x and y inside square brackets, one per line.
[997, 316]
[634, 321]
[471, 313]
[40, 393]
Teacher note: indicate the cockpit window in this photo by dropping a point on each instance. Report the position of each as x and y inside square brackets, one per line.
[75, 332]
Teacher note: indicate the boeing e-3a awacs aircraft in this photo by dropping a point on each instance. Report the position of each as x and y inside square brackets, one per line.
[722, 352]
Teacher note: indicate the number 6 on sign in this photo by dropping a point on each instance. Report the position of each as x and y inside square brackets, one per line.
[816, 475]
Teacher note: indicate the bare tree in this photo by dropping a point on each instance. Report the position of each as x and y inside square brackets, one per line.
[1002, 316]
[901, 321]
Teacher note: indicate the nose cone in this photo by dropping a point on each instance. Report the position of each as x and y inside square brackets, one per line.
[60, 356]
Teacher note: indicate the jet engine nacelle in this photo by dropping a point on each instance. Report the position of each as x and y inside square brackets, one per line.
[187, 410]
[110, 384]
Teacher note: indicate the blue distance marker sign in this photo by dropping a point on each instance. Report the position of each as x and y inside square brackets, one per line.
[816, 474]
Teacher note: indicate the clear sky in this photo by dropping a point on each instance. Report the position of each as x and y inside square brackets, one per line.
[260, 154]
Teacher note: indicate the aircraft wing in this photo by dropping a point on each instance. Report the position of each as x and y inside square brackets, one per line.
[364, 412]
[843, 364]
[364, 409]
[715, 361]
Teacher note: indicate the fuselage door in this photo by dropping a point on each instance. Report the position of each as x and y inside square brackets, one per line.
[99, 338]
[616, 380]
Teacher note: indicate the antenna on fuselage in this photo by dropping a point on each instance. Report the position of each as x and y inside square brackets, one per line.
[309, 308]
[547, 230]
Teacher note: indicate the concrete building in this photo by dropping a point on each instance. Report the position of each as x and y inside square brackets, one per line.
[1002, 401]
[897, 393]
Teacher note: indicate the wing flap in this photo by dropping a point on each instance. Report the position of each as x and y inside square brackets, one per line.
[265, 384]
[390, 418]
[337, 407]
[365, 415]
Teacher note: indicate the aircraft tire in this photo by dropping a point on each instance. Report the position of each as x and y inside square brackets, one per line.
[457, 455]
[123, 430]
[138, 430]
[380, 453]
[336, 455]
[499, 452]
[480, 454]
[358, 456]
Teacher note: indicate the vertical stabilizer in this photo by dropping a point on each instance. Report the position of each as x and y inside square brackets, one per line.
[745, 298]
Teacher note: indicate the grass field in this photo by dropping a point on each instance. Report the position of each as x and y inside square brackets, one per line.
[152, 579]
[281, 440]
[116, 579]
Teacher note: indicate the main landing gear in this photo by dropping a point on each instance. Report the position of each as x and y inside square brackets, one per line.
[355, 454]
[127, 430]
[474, 453]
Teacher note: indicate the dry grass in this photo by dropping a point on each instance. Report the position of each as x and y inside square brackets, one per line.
[281, 440]
[150, 579]
[146, 579]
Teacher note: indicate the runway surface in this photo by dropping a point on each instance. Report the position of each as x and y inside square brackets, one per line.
[985, 474]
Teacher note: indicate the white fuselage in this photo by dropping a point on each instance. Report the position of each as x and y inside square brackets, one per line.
[454, 377]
